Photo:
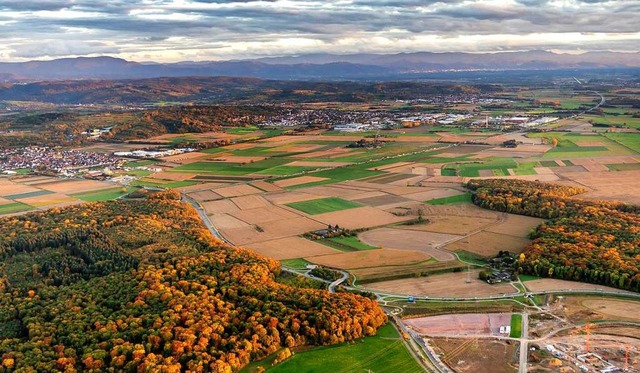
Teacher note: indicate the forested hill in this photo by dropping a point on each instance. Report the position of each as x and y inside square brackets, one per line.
[590, 241]
[143, 286]
[223, 89]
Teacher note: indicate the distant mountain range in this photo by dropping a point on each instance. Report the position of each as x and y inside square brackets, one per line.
[315, 66]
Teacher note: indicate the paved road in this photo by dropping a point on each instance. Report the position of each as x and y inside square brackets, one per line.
[524, 343]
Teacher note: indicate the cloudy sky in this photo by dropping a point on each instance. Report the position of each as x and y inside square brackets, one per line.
[177, 30]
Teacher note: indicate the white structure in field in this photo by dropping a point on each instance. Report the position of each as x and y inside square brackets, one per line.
[351, 127]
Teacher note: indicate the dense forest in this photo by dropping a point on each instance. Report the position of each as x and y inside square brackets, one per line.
[583, 240]
[141, 286]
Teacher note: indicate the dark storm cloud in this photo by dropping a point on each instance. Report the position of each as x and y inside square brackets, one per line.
[230, 29]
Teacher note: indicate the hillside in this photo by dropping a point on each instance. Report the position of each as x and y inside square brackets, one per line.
[222, 90]
[143, 286]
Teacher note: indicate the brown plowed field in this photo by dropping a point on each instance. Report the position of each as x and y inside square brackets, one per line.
[360, 217]
[409, 240]
[442, 285]
[468, 324]
[371, 258]
[290, 248]
[489, 244]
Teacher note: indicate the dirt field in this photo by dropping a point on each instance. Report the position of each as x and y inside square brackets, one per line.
[263, 215]
[186, 157]
[469, 324]
[47, 200]
[614, 308]
[547, 284]
[75, 186]
[298, 181]
[432, 194]
[219, 207]
[516, 225]
[267, 187]
[272, 230]
[225, 222]
[283, 198]
[173, 176]
[425, 242]
[621, 186]
[237, 190]
[205, 195]
[489, 244]
[478, 355]
[250, 202]
[290, 248]
[457, 225]
[360, 217]
[442, 285]
[370, 258]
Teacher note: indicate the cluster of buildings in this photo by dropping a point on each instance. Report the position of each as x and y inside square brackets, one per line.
[46, 159]
[155, 153]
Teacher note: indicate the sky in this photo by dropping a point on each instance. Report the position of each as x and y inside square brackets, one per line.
[198, 30]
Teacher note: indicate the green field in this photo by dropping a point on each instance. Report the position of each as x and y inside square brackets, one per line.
[103, 195]
[498, 166]
[623, 166]
[516, 326]
[384, 353]
[470, 257]
[351, 243]
[322, 205]
[629, 140]
[525, 278]
[142, 163]
[460, 198]
[615, 121]
[568, 146]
[233, 169]
[11, 208]
[297, 263]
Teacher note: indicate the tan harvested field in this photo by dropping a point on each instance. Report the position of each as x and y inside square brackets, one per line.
[614, 308]
[75, 186]
[327, 154]
[298, 181]
[391, 166]
[466, 324]
[442, 285]
[173, 176]
[264, 215]
[250, 202]
[378, 199]
[12, 189]
[198, 187]
[222, 206]
[621, 186]
[516, 225]
[35, 180]
[225, 222]
[371, 258]
[478, 355]
[458, 225]
[237, 190]
[297, 148]
[360, 217]
[205, 195]
[466, 209]
[405, 239]
[272, 230]
[267, 187]
[186, 158]
[432, 194]
[47, 200]
[290, 248]
[4, 201]
[284, 197]
[489, 244]
[551, 284]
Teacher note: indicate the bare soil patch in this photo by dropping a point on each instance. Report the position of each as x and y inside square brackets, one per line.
[381, 200]
[272, 230]
[173, 176]
[250, 202]
[360, 217]
[219, 207]
[409, 240]
[371, 258]
[186, 158]
[75, 186]
[264, 215]
[205, 195]
[442, 285]
[290, 248]
[237, 190]
[478, 355]
[458, 225]
[267, 187]
[489, 244]
[226, 221]
[467, 324]
[516, 225]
